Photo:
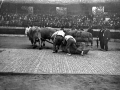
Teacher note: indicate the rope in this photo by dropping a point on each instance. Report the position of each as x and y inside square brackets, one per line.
[46, 40]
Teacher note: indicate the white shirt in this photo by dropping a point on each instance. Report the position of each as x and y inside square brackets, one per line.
[58, 33]
[68, 37]
[26, 30]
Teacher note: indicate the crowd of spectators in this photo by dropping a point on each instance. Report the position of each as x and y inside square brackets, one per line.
[57, 21]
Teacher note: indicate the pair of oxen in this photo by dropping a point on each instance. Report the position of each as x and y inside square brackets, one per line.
[40, 35]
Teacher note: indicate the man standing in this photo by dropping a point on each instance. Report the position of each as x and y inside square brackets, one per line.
[104, 37]
[27, 30]
[58, 37]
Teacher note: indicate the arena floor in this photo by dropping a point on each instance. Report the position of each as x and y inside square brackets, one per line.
[25, 68]
[17, 55]
[59, 82]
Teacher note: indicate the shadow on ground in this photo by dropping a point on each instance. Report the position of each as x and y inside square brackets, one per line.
[17, 42]
[18, 81]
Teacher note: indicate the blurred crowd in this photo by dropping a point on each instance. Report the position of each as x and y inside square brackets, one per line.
[48, 20]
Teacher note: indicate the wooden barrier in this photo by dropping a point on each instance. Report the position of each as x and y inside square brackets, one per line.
[115, 34]
[12, 30]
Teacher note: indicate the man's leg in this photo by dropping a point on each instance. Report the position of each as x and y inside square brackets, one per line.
[81, 49]
[97, 41]
[54, 46]
[102, 44]
[106, 45]
[74, 45]
[68, 46]
[56, 43]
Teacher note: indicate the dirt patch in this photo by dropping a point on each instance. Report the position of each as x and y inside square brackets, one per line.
[59, 82]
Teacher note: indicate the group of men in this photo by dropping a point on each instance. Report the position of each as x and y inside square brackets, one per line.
[59, 37]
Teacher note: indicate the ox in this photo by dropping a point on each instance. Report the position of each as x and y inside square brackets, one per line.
[34, 35]
[81, 36]
[40, 35]
[46, 34]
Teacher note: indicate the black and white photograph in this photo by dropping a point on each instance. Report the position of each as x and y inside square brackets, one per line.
[59, 44]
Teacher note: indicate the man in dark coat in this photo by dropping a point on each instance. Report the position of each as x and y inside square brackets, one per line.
[104, 37]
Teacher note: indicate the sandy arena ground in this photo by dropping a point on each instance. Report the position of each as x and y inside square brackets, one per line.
[25, 68]
[17, 55]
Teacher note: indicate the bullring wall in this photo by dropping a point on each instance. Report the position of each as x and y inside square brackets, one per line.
[115, 34]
